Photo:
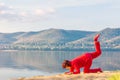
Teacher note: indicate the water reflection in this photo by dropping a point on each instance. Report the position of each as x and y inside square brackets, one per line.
[50, 61]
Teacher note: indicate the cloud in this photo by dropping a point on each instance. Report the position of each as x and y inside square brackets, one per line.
[8, 13]
[38, 9]
[41, 12]
[23, 14]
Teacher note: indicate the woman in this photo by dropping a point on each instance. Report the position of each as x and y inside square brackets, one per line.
[84, 60]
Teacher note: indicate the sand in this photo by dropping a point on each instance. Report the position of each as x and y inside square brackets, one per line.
[91, 76]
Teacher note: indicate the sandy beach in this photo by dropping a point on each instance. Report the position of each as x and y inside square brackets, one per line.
[91, 76]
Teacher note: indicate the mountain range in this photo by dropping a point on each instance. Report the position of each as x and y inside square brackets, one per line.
[59, 39]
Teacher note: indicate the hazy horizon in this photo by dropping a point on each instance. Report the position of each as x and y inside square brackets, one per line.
[57, 28]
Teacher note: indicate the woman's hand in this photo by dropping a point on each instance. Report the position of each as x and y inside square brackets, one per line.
[68, 73]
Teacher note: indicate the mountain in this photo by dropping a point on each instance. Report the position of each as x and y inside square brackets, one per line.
[59, 39]
[110, 38]
[53, 36]
[8, 38]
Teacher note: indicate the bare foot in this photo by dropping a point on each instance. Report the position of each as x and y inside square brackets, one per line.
[96, 37]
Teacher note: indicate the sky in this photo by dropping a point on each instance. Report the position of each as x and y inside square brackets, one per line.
[37, 15]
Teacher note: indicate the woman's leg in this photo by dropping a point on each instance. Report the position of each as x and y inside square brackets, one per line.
[97, 47]
[94, 55]
[88, 65]
[97, 50]
[95, 70]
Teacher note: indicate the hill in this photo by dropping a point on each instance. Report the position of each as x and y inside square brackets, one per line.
[53, 36]
[110, 39]
[59, 39]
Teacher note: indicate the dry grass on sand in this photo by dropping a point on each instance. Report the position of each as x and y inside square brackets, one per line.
[92, 76]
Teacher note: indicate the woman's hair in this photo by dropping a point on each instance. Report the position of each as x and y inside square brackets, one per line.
[66, 63]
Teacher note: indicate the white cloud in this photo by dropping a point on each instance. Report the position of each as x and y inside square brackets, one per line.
[41, 12]
[4, 9]
[51, 10]
[2, 4]
[40, 8]
[10, 13]
[7, 13]
[23, 14]
[2, 12]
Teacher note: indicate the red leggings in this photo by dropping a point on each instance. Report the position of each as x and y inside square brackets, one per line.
[93, 56]
[97, 50]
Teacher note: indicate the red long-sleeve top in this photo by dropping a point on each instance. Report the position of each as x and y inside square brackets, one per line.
[80, 62]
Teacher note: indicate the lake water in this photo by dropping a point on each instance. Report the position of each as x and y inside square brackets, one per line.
[14, 64]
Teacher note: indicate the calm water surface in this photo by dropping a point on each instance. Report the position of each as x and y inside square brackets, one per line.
[29, 63]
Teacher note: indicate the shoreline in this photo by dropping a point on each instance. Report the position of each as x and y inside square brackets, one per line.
[91, 76]
[12, 50]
